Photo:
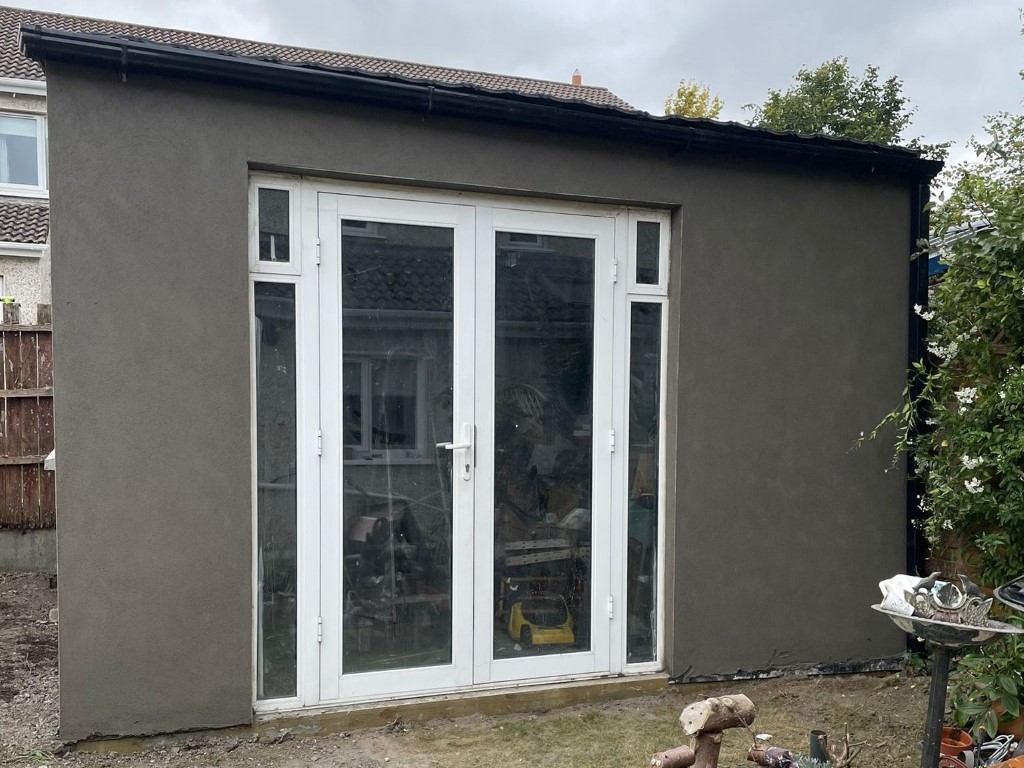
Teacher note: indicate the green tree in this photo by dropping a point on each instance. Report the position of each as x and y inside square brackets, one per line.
[693, 99]
[833, 101]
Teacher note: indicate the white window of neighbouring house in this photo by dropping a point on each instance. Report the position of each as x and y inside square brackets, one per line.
[22, 154]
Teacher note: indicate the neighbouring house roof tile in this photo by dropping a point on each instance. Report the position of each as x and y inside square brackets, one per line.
[404, 276]
[14, 64]
[24, 222]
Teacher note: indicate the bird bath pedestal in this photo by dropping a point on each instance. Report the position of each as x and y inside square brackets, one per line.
[942, 638]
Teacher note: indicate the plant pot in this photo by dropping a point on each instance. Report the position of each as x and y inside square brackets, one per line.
[1013, 762]
[954, 741]
[1014, 727]
[945, 761]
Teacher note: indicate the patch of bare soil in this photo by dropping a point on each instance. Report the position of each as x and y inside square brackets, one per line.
[28, 665]
[886, 711]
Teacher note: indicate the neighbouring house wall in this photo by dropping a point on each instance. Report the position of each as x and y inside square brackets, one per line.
[22, 102]
[27, 280]
[788, 337]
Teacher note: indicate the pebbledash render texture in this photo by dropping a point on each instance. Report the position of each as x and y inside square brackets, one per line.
[789, 322]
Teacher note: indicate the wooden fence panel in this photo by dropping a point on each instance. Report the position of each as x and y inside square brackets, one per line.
[27, 498]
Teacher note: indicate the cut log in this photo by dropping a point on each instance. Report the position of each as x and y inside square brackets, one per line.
[775, 757]
[706, 747]
[680, 757]
[717, 714]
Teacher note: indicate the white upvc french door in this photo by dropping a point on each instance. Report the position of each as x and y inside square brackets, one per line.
[544, 409]
[466, 445]
[397, 413]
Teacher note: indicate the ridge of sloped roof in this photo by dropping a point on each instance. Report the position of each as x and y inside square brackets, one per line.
[14, 64]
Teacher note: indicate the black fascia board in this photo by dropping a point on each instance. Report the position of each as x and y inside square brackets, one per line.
[128, 55]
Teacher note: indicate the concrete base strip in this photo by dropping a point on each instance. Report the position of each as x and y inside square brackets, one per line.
[28, 551]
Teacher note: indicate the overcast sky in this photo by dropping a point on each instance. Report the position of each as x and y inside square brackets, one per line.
[959, 59]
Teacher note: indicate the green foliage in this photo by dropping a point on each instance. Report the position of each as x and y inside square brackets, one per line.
[915, 664]
[693, 99]
[970, 410]
[833, 101]
[987, 687]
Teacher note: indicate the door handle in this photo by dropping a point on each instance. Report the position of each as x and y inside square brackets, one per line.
[454, 446]
[465, 445]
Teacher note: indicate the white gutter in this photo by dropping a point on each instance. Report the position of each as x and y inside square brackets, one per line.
[30, 250]
[17, 85]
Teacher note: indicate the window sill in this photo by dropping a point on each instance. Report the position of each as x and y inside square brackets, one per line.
[11, 190]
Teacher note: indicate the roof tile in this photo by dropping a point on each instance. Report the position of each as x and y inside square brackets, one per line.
[14, 64]
[24, 222]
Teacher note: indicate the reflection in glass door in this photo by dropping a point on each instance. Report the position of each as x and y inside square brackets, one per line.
[543, 443]
[544, 322]
[397, 327]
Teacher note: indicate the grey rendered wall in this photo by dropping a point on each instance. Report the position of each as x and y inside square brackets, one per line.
[789, 336]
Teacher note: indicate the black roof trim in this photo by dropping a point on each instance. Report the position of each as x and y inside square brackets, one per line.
[134, 55]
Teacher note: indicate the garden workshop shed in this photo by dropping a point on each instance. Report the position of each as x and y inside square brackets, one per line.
[373, 387]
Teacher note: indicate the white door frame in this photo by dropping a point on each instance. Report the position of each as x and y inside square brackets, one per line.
[318, 543]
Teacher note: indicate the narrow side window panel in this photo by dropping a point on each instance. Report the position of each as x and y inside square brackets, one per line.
[276, 489]
[644, 465]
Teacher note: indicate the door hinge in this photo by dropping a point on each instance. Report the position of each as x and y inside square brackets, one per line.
[611, 607]
[615, 270]
[611, 440]
[319, 443]
[319, 629]
[318, 250]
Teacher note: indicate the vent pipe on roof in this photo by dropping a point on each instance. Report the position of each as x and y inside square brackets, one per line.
[577, 78]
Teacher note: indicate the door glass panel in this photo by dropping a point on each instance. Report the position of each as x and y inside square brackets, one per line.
[397, 341]
[544, 348]
[642, 534]
[275, 484]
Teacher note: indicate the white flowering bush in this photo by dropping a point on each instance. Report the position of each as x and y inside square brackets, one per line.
[966, 425]
[963, 411]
